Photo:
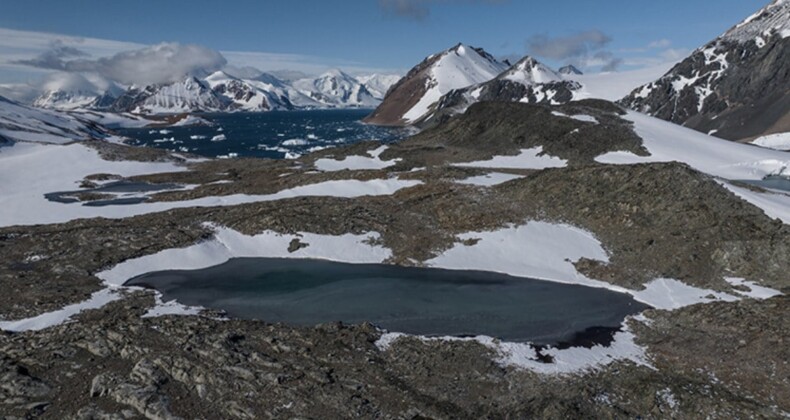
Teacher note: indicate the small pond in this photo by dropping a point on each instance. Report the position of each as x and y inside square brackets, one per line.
[425, 301]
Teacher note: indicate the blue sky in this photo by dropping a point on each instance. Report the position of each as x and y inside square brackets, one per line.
[382, 35]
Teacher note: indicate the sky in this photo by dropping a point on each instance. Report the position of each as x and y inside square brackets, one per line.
[359, 36]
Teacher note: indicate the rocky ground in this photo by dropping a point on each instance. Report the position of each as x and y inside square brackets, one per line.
[655, 220]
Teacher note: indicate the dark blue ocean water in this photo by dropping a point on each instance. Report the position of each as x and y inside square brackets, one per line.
[402, 299]
[276, 135]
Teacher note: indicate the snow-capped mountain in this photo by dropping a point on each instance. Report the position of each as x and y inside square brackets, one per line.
[528, 81]
[250, 95]
[66, 100]
[69, 91]
[188, 95]
[379, 84]
[419, 91]
[336, 89]
[569, 69]
[23, 123]
[217, 92]
[735, 87]
[529, 71]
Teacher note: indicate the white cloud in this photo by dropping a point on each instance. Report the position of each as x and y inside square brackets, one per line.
[128, 62]
[661, 43]
[669, 55]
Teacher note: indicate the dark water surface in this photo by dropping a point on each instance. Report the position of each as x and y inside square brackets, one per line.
[265, 134]
[772, 182]
[400, 299]
[124, 192]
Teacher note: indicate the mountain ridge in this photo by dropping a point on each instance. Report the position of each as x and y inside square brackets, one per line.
[736, 86]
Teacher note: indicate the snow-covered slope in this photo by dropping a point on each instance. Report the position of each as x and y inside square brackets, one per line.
[612, 86]
[736, 86]
[529, 71]
[528, 81]
[336, 89]
[671, 142]
[188, 95]
[420, 90]
[569, 69]
[22, 123]
[249, 95]
[379, 84]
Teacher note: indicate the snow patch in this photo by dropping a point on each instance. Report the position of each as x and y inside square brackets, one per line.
[780, 141]
[527, 159]
[673, 294]
[355, 163]
[61, 316]
[228, 243]
[172, 307]
[755, 290]
[580, 117]
[490, 179]
[525, 356]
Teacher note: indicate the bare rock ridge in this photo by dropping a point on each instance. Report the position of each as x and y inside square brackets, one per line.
[734, 87]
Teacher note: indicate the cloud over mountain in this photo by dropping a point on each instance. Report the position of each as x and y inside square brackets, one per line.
[584, 48]
[161, 63]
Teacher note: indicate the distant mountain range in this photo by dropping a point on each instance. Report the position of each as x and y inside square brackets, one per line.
[221, 92]
[736, 87]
